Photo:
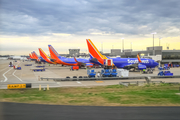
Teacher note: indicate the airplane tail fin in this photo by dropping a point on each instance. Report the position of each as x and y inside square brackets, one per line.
[35, 55]
[138, 57]
[42, 53]
[94, 52]
[53, 52]
[30, 56]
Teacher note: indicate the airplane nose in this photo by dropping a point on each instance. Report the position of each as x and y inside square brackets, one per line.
[156, 64]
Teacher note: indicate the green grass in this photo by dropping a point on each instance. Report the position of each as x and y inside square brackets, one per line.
[113, 95]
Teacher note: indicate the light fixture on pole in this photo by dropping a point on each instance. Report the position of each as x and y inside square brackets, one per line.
[153, 41]
[122, 44]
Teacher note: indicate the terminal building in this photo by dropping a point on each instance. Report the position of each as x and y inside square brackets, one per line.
[74, 52]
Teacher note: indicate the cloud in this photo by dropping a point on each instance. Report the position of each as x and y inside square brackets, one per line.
[80, 17]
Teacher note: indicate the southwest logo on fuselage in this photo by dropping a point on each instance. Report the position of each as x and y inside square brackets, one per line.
[136, 61]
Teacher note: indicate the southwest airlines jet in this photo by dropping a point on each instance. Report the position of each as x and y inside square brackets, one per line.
[126, 63]
[68, 61]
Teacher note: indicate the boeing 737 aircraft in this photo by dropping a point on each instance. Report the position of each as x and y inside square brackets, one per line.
[126, 63]
[45, 57]
[68, 61]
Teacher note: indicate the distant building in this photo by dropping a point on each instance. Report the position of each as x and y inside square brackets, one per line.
[127, 50]
[171, 56]
[74, 52]
[156, 50]
[115, 52]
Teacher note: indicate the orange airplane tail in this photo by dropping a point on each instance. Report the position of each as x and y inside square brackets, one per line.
[94, 52]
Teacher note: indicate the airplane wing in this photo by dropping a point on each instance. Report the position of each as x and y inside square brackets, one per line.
[135, 65]
[80, 63]
[52, 60]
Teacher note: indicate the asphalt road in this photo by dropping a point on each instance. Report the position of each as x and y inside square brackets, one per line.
[20, 111]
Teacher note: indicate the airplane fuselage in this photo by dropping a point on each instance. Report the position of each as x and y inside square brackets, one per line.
[72, 61]
[122, 62]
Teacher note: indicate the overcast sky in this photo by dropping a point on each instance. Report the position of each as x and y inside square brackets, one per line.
[26, 25]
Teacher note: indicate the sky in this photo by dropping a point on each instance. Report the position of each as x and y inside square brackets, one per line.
[26, 25]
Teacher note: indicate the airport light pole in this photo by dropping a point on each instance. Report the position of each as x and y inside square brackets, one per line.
[159, 41]
[153, 41]
[131, 45]
[122, 44]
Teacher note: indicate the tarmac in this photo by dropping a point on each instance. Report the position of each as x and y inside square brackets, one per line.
[9, 75]
[21, 111]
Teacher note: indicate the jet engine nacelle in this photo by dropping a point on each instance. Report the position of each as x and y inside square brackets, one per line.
[141, 67]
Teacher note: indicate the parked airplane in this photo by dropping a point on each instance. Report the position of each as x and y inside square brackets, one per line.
[126, 63]
[45, 57]
[68, 61]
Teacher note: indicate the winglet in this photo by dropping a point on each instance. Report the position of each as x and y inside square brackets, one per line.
[138, 58]
[75, 59]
